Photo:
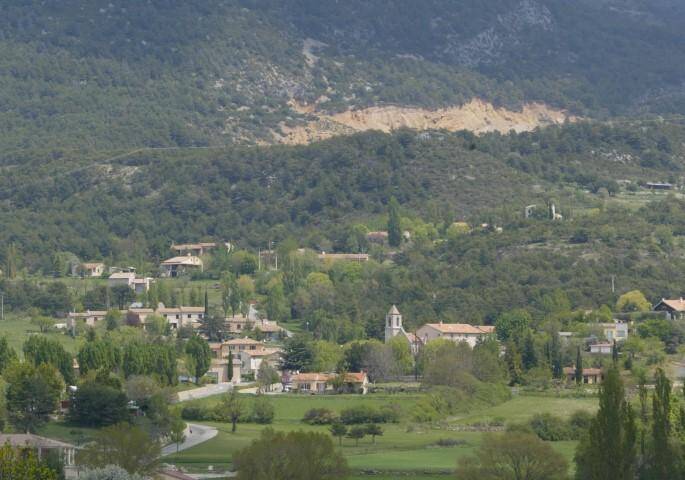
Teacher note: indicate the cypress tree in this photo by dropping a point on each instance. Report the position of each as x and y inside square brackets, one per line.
[529, 356]
[206, 305]
[394, 224]
[614, 353]
[609, 449]
[579, 367]
[230, 366]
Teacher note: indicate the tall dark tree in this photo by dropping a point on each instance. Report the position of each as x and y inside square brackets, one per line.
[40, 349]
[529, 356]
[609, 451]
[614, 353]
[579, 367]
[198, 350]
[662, 463]
[394, 223]
[7, 354]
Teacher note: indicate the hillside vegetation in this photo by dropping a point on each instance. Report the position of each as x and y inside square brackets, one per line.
[110, 74]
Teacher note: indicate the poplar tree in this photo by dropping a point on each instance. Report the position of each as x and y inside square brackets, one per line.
[663, 461]
[609, 449]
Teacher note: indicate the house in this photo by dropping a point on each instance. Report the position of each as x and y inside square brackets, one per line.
[322, 382]
[377, 237]
[178, 266]
[270, 330]
[91, 269]
[615, 331]
[181, 316]
[138, 285]
[601, 348]
[242, 344]
[251, 360]
[90, 317]
[590, 375]
[197, 249]
[42, 446]
[457, 332]
[349, 257]
[659, 186]
[675, 309]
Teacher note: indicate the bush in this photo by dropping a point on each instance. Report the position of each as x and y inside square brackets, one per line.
[195, 413]
[319, 416]
[579, 423]
[550, 428]
[449, 442]
[263, 411]
[367, 414]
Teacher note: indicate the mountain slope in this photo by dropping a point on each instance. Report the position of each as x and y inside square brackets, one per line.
[110, 74]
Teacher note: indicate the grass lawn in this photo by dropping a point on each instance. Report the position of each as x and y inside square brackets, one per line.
[405, 450]
[17, 329]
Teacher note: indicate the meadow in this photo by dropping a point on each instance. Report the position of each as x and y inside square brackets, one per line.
[406, 450]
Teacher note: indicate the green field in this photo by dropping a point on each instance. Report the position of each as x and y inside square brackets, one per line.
[17, 329]
[405, 449]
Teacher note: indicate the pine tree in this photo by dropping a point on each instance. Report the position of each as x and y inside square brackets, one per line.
[609, 449]
[579, 367]
[394, 224]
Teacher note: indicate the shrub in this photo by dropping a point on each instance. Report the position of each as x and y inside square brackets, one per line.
[449, 442]
[550, 428]
[262, 410]
[579, 423]
[367, 414]
[195, 413]
[319, 416]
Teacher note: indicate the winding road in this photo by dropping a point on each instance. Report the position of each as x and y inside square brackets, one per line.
[195, 435]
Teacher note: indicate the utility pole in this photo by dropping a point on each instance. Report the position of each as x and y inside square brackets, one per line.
[2, 306]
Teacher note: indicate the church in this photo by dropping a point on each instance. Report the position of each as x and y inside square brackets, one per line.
[457, 332]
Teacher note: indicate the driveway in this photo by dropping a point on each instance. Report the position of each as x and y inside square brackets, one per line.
[202, 392]
[195, 435]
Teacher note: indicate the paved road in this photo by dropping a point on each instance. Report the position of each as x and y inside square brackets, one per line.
[195, 435]
[206, 391]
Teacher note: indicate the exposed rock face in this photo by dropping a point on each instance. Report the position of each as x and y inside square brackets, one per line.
[477, 116]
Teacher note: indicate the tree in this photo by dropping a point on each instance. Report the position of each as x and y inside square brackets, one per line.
[529, 355]
[33, 393]
[99, 354]
[297, 353]
[11, 261]
[292, 455]
[122, 296]
[276, 304]
[97, 405]
[513, 456]
[394, 223]
[663, 457]
[266, 376]
[339, 430]
[177, 432]
[40, 349]
[127, 446]
[263, 411]
[374, 430]
[43, 323]
[22, 464]
[7, 354]
[156, 325]
[512, 358]
[579, 367]
[357, 433]
[214, 327]
[633, 301]
[198, 350]
[231, 408]
[609, 448]
[614, 352]
[230, 367]
[513, 325]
